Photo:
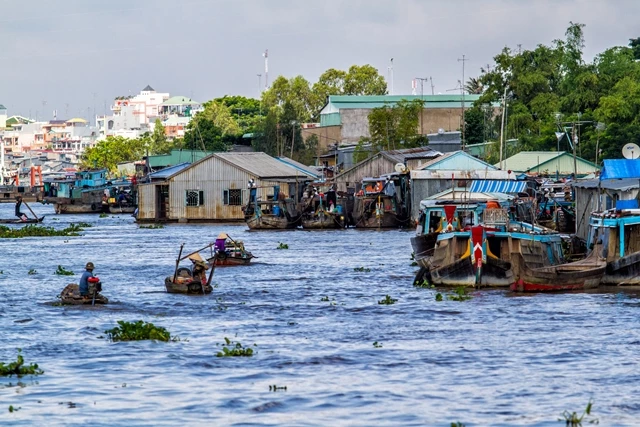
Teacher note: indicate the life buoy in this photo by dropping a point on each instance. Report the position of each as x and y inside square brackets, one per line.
[93, 207]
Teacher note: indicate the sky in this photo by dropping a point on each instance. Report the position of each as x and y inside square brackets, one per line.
[76, 56]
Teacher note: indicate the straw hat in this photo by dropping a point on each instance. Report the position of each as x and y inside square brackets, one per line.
[196, 258]
[222, 236]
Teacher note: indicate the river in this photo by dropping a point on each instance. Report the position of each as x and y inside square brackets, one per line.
[496, 359]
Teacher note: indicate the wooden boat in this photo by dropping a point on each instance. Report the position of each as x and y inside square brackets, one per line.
[275, 213]
[19, 221]
[235, 254]
[70, 295]
[579, 275]
[459, 249]
[191, 280]
[322, 210]
[383, 202]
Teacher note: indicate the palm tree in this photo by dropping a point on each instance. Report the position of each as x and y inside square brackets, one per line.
[474, 86]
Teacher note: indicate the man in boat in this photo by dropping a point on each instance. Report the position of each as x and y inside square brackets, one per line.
[198, 272]
[84, 280]
[19, 214]
[221, 242]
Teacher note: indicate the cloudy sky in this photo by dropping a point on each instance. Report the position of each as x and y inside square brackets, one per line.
[77, 55]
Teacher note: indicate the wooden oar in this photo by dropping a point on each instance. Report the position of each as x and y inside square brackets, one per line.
[28, 207]
[175, 273]
[194, 252]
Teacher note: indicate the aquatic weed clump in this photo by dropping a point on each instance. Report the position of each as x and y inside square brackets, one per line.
[41, 231]
[18, 367]
[61, 271]
[235, 349]
[387, 301]
[572, 419]
[138, 331]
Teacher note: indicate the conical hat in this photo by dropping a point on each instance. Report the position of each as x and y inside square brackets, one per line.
[222, 236]
[196, 257]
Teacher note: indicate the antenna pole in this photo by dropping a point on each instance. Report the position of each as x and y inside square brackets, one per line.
[463, 59]
[266, 69]
[391, 75]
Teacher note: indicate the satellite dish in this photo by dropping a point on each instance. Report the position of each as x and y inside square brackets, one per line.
[631, 151]
[441, 131]
[399, 167]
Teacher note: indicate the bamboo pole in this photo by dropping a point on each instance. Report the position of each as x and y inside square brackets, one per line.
[194, 252]
[175, 272]
[28, 207]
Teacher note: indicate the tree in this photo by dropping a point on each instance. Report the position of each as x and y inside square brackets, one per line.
[361, 152]
[247, 111]
[203, 134]
[159, 144]
[111, 151]
[220, 115]
[634, 44]
[474, 126]
[396, 127]
[307, 155]
[296, 91]
[474, 86]
[267, 133]
[364, 80]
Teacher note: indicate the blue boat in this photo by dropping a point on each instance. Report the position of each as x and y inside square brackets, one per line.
[88, 191]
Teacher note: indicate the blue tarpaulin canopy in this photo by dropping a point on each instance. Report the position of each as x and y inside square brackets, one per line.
[494, 186]
[620, 168]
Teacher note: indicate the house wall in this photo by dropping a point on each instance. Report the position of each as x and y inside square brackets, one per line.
[374, 167]
[424, 188]
[327, 136]
[211, 177]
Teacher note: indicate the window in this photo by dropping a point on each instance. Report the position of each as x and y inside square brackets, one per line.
[232, 197]
[195, 197]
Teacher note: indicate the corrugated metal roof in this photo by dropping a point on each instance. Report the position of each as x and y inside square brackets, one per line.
[180, 100]
[493, 186]
[624, 184]
[261, 165]
[167, 172]
[621, 168]
[457, 160]
[525, 160]
[399, 156]
[297, 165]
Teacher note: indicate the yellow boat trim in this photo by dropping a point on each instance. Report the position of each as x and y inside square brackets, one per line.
[467, 254]
[489, 253]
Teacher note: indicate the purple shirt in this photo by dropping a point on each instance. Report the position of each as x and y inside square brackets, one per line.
[220, 245]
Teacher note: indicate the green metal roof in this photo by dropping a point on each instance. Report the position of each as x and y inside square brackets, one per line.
[338, 102]
[176, 157]
[180, 100]
[539, 161]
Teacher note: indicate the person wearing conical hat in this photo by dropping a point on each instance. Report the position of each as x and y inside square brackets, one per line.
[221, 242]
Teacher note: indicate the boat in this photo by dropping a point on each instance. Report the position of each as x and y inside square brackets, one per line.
[88, 192]
[383, 202]
[322, 210]
[277, 212]
[470, 243]
[19, 221]
[234, 254]
[579, 275]
[192, 280]
[70, 295]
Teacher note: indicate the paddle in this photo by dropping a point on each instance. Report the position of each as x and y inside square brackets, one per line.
[28, 207]
[175, 273]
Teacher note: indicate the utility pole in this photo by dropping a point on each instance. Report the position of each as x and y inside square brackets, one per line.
[432, 86]
[391, 75]
[266, 69]
[259, 84]
[463, 59]
[573, 137]
[422, 80]
[504, 109]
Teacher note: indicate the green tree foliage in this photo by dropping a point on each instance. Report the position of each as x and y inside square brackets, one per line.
[362, 150]
[296, 91]
[267, 133]
[159, 144]
[548, 86]
[474, 125]
[396, 127]
[247, 111]
[203, 134]
[113, 150]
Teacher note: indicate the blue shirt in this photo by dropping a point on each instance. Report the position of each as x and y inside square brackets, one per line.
[84, 282]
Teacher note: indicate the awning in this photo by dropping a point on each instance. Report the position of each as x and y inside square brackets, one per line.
[620, 168]
[494, 186]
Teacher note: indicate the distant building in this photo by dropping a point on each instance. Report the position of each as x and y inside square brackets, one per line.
[3, 116]
[344, 118]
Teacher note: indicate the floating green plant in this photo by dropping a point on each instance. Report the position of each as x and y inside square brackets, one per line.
[40, 231]
[235, 349]
[61, 271]
[387, 300]
[277, 388]
[282, 246]
[362, 269]
[458, 424]
[377, 344]
[424, 283]
[438, 296]
[32, 271]
[104, 215]
[573, 420]
[137, 331]
[459, 294]
[18, 367]
[152, 226]
[325, 299]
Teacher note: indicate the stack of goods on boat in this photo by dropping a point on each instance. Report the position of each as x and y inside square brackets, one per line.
[322, 209]
[276, 212]
[383, 202]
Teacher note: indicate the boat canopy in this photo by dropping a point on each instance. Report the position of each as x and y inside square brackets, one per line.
[620, 168]
[496, 186]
